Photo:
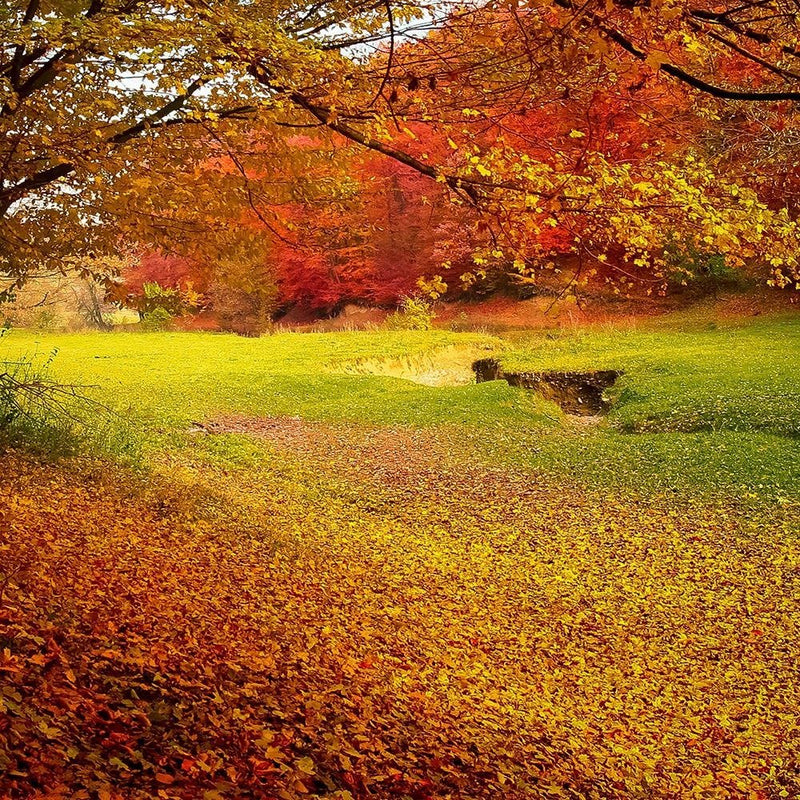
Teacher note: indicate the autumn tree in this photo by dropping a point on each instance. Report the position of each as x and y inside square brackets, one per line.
[109, 107]
[97, 92]
[554, 126]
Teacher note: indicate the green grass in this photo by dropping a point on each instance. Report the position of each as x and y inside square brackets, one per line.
[706, 406]
[690, 377]
[164, 381]
[701, 407]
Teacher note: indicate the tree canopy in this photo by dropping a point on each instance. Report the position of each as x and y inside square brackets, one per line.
[614, 132]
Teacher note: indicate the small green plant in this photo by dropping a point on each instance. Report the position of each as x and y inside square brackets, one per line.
[414, 314]
[46, 320]
[159, 319]
[36, 412]
[155, 299]
[52, 419]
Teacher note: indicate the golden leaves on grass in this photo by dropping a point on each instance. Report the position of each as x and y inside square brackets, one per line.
[348, 626]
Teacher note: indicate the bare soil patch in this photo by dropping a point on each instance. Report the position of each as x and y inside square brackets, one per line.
[377, 453]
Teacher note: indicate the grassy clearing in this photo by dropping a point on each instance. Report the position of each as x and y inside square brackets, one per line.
[166, 380]
[689, 377]
[702, 406]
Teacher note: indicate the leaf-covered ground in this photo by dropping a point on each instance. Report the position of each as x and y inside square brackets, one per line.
[336, 610]
[344, 584]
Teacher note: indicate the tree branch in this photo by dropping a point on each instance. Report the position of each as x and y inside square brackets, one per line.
[678, 72]
[10, 194]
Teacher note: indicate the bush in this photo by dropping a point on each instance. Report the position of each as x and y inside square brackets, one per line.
[461, 323]
[414, 314]
[159, 319]
[158, 305]
[155, 297]
[36, 412]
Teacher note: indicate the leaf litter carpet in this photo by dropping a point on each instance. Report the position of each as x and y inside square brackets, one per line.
[348, 612]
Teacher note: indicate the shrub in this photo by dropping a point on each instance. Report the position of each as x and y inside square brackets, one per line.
[59, 303]
[155, 297]
[157, 305]
[461, 323]
[414, 314]
[159, 319]
[36, 412]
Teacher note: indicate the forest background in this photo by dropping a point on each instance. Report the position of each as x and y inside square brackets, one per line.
[250, 161]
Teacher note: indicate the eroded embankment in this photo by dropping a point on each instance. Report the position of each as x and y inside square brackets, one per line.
[577, 393]
[447, 366]
[580, 393]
